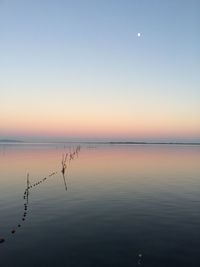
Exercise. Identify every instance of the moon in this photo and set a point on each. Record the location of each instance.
(138, 34)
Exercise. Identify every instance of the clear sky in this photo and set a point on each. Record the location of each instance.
(78, 69)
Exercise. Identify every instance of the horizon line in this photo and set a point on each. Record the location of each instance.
(7, 141)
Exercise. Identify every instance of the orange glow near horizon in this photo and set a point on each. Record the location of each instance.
(98, 122)
(97, 132)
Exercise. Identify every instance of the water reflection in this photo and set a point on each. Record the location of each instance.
(125, 206)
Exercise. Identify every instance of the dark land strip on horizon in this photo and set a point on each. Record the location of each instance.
(104, 142)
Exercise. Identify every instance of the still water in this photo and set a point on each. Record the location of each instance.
(115, 205)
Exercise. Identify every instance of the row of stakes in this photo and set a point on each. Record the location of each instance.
(66, 159)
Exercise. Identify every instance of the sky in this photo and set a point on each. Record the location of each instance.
(78, 69)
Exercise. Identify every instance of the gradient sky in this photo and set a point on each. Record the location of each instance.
(77, 69)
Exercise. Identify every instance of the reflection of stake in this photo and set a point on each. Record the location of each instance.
(64, 166)
(64, 179)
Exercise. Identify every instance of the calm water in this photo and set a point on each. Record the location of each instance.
(116, 206)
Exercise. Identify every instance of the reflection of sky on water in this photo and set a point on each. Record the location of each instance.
(123, 197)
(111, 162)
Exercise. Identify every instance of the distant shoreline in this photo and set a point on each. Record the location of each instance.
(156, 143)
(7, 141)
(10, 141)
(142, 143)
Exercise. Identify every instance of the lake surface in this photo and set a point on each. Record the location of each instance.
(116, 205)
